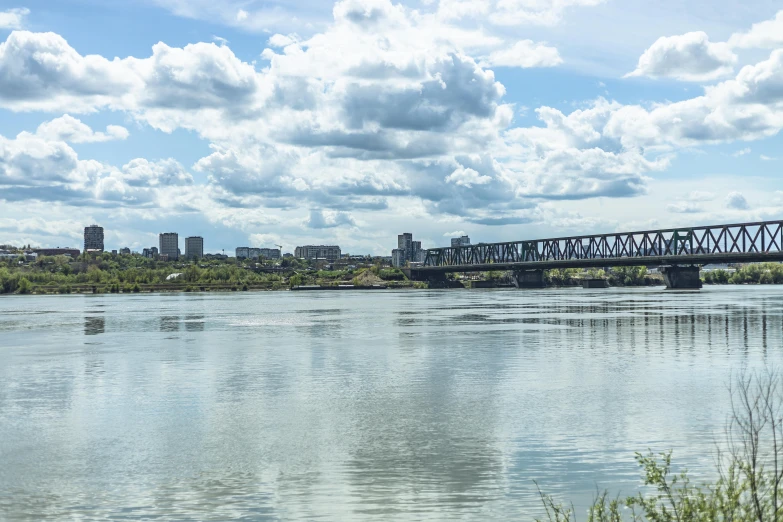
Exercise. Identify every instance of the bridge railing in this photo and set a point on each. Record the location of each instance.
(744, 238)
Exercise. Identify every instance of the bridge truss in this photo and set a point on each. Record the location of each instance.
(745, 242)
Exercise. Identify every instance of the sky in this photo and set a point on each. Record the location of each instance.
(262, 123)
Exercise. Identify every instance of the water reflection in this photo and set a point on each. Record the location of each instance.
(169, 323)
(414, 405)
(194, 323)
(94, 325)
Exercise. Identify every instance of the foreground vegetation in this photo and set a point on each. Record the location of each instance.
(749, 471)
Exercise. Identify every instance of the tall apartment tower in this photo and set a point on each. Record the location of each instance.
(93, 238)
(169, 245)
(194, 247)
(405, 243)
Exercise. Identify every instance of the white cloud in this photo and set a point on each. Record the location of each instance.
(467, 177)
(688, 57)
(741, 152)
(736, 201)
(13, 18)
(684, 207)
(70, 129)
(456, 233)
(766, 35)
(764, 157)
(699, 195)
(525, 53)
(283, 40)
(241, 15)
(329, 219)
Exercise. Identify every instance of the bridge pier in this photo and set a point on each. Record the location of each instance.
(679, 277)
(528, 279)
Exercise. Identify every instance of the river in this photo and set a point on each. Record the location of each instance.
(394, 405)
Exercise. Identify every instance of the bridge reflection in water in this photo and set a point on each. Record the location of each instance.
(679, 252)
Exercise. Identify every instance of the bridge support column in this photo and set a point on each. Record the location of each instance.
(681, 277)
(528, 279)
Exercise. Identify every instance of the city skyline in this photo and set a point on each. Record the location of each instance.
(343, 123)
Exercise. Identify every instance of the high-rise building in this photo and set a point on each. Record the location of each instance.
(169, 245)
(407, 250)
(194, 247)
(243, 253)
(405, 243)
(329, 253)
(460, 241)
(93, 238)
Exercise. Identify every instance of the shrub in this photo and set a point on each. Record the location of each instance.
(24, 286)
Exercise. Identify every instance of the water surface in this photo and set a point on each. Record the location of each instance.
(414, 405)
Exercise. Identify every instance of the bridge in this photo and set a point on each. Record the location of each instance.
(679, 252)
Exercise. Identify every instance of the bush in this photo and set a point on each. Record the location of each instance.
(24, 286)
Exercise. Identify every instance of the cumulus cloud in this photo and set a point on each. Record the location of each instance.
(40, 71)
(36, 167)
(456, 233)
(13, 18)
(736, 201)
(72, 130)
(525, 53)
(766, 35)
(467, 177)
(385, 108)
(688, 57)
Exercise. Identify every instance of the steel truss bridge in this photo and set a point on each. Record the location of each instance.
(676, 247)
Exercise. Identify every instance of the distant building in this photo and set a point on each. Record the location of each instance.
(398, 257)
(163, 257)
(329, 253)
(288, 255)
(150, 253)
(71, 252)
(215, 256)
(114, 252)
(169, 245)
(93, 238)
(460, 241)
(407, 251)
(125, 251)
(270, 253)
(257, 253)
(194, 247)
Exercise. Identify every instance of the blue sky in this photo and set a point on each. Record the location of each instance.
(262, 123)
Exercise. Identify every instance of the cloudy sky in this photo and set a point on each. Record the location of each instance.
(262, 122)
